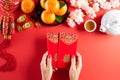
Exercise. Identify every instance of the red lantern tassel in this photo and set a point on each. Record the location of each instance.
(5, 44)
(10, 64)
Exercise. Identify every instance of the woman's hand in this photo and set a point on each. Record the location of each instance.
(75, 68)
(46, 67)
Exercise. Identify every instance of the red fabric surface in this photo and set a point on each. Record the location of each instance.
(100, 52)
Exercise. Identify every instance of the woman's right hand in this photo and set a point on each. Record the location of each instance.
(75, 68)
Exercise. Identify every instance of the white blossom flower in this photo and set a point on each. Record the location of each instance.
(73, 15)
(90, 11)
(70, 22)
(106, 5)
(77, 16)
(115, 3)
(78, 4)
(72, 2)
(79, 19)
(100, 1)
(96, 7)
(78, 12)
(81, 3)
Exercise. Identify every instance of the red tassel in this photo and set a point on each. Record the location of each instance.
(10, 64)
(5, 44)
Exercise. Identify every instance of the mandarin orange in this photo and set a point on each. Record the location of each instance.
(53, 5)
(27, 6)
(48, 17)
(44, 4)
(63, 9)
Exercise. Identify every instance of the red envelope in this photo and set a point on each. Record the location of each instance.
(61, 46)
(67, 48)
(52, 45)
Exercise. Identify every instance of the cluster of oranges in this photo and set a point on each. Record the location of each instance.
(51, 9)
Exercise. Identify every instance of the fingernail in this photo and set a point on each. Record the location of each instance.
(73, 56)
(49, 56)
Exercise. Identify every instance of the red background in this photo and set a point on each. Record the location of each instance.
(100, 52)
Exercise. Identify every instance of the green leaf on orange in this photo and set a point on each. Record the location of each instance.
(59, 19)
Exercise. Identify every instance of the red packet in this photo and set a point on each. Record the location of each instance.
(61, 46)
(67, 48)
(52, 45)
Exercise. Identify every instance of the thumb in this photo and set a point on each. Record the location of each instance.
(49, 61)
(73, 62)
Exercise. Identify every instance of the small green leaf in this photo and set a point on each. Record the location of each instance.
(59, 19)
(62, 3)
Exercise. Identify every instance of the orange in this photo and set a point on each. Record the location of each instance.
(44, 4)
(53, 5)
(63, 9)
(27, 6)
(48, 17)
